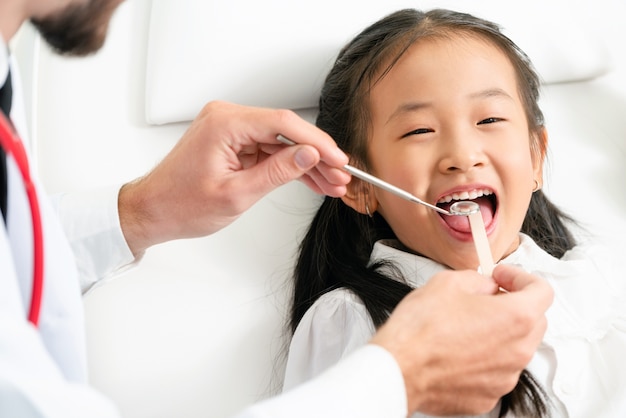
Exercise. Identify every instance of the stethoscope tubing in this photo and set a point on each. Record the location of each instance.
(13, 146)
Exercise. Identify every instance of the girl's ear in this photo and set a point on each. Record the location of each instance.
(539, 155)
(359, 198)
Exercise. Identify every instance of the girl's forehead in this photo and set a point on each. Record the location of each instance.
(454, 47)
(457, 57)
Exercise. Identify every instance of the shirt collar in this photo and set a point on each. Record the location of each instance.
(528, 254)
(417, 270)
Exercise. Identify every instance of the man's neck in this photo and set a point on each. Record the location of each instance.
(12, 15)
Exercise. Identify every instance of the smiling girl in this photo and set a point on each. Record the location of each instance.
(443, 105)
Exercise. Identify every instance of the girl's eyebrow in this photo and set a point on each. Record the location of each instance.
(482, 94)
(407, 108)
(492, 92)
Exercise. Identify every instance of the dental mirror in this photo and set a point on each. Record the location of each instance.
(464, 208)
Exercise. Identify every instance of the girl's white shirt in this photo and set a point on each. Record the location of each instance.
(579, 363)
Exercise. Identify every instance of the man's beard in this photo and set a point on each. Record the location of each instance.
(78, 29)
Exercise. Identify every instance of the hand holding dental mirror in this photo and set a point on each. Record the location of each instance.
(461, 208)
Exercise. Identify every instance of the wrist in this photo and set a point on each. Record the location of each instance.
(134, 217)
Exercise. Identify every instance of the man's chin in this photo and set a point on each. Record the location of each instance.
(79, 29)
(77, 47)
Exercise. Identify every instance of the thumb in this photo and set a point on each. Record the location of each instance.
(305, 157)
(535, 291)
(515, 279)
(478, 284)
(511, 278)
(465, 281)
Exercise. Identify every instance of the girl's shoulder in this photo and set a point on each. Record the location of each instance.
(338, 310)
(608, 257)
(588, 253)
(334, 326)
(337, 300)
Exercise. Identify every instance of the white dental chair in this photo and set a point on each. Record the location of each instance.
(197, 330)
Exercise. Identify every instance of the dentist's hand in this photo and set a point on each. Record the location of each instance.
(460, 344)
(227, 160)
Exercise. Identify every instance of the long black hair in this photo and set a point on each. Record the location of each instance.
(335, 253)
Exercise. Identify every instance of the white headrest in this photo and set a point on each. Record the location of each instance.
(276, 53)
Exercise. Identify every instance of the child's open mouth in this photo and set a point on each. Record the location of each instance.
(485, 199)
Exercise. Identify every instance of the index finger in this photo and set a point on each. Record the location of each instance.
(299, 131)
(247, 125)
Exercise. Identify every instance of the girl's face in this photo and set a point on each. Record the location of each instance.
(448, 124)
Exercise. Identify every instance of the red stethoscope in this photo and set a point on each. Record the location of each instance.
(12, 145)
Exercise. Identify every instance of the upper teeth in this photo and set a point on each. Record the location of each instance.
(470, 195)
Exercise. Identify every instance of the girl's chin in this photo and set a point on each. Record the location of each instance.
(465, 264)
(473, 267)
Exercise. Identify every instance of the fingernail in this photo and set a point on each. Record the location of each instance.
(305, 159)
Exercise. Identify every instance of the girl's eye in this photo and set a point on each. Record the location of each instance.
(418, 132)
(489, 120)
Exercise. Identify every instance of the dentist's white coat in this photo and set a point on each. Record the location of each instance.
(43, 371)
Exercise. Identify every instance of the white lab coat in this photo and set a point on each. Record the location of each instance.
(43, 371)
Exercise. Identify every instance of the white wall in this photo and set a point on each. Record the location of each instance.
(586, 123)
(194, 330)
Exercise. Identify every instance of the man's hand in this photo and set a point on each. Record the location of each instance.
(461, 344)
(228, 159)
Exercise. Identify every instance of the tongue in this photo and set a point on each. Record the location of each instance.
(461, 223)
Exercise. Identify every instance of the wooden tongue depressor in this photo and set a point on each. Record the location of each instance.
(479, 234)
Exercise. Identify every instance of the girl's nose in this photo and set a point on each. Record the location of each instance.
(461, 154)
